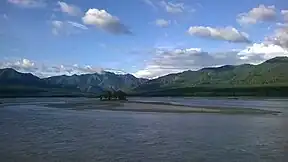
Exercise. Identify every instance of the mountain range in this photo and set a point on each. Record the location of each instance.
(97, 82)
(272, 72)
(13, 81)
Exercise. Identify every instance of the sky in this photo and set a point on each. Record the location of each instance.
(147, 38)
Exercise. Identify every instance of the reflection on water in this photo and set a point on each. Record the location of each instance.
(33, 133)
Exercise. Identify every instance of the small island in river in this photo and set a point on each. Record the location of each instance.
(139, 106)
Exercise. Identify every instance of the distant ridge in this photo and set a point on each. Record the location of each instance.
(270, 72)
(10, 76)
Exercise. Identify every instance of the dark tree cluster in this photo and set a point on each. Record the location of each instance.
(113, 95)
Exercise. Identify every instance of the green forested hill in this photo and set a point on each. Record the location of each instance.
(273, 72)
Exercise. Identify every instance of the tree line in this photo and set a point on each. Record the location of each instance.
(260, 91)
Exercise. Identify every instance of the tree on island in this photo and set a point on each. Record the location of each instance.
(116, 95)
(121, 95)
(107, 95)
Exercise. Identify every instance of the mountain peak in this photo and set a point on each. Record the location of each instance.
(9, 70)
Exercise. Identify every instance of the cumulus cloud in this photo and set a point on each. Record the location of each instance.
(28, 3)
(105, 21)
(259, 52)
(280, 36)
(229, 34)
(46, 70)
(69, 9)
(258, 14)
(285, 14)
(162, 23)
(177, 60)
(22, 64)
(66, 27)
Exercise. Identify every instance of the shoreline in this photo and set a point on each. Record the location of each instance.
(135, 106)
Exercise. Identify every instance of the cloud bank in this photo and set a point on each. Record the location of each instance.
(46, 70)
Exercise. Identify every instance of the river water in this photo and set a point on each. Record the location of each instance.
(34, 133)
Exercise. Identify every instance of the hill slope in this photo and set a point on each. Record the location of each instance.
(272, 72)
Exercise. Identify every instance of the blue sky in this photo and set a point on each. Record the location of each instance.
(148, 38)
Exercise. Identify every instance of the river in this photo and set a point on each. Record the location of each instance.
(29, 132)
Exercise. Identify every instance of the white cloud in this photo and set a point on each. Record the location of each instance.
(258, 14)
(57, 24)
(285, 14)
(262, 51)
(227, 34)
(162, 23)
(57, 27)
(69, 9)
(178, 60)
(27, 63)
(66, 27)
(173, 8)
(105, 21)
(280, 36)
(28, 3)
(21, 64)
